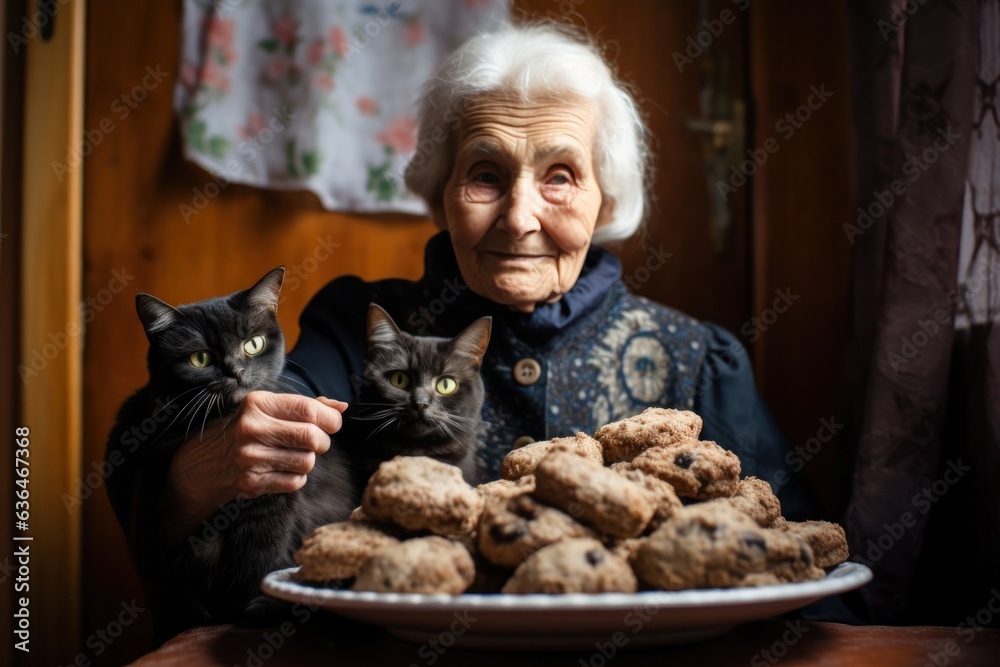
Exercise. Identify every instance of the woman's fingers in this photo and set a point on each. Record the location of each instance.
(292, 408)
(339, 406)
(270, 447)
(283, 482)
(267, 469)
(276, 433)
(262, 460)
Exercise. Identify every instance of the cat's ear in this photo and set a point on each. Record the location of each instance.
(264, 295)
(154, 314)
(381, 329)
(473, 340)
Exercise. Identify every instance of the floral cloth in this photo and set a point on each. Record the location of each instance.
(316, 94)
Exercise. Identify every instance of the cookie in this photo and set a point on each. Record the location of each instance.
(759, 579)
(580, 565)
(419, 493)
(701, 470)
(421, 565)
(755, 498)
(827, 540)
(597, 496)
(655, 427)
(505, 488)
(512, 529)
(339, 550)
(661, 494)
(789, 558)
(706, 545)
(523, 461)
(625, 548)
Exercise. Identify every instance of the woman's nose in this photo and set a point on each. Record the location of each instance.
(519, 215)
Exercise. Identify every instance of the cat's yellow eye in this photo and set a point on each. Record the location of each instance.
(254, 346)
(446, 385)
(200, 359)
(399, 379)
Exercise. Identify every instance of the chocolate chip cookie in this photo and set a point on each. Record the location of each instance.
(700, 470)
(523, 461)
(580, 565)
(422, 565)
(789, 558)
(506, 488)
(755, 498)
(512, 529)
(419, 493)
(706, 545)
(597, 496)
(827, 540)
(655, 427)
(339, 550)
(661, 494)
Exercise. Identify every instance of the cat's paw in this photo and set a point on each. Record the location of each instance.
(264, 611)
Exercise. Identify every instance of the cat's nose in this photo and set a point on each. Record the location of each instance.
(421, 406)
(239, 375)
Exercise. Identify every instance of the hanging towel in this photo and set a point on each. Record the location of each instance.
(316, 95)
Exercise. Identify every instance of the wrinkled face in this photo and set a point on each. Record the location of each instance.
(522, 201)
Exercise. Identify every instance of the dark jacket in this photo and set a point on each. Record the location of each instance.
(603, 354)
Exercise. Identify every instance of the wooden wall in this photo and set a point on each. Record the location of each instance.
(135, 180)
(801, 198)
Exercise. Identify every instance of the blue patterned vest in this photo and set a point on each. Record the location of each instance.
(597, 355)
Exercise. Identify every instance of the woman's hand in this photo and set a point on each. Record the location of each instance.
(269, 446)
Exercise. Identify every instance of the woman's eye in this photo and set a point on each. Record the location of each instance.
(399, 379)
(446, 385)
(486, 178)
(254, 346)
(200, 359)
(560, 176)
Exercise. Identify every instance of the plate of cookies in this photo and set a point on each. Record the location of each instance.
(642, 533)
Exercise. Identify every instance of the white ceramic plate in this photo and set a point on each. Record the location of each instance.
(566, 621)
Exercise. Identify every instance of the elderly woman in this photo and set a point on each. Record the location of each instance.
(530, 154)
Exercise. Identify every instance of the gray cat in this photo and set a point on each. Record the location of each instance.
(419, 396)
(203, 359)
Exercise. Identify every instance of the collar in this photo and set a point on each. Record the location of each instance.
(601, 270)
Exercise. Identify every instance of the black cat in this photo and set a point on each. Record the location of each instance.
(203, 359)
(419, 396)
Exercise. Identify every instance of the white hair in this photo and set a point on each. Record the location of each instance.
(537, 62)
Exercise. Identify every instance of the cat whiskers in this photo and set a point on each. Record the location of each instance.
(175, 399)
(182, 411)
(284, 385)
(386, 423)
(292, 361)
(196, 409)
(370, 411)
(211, 403)
(447, 429)
(382, 414)
(464, 424)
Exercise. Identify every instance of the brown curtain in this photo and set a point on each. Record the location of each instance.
(925, 357)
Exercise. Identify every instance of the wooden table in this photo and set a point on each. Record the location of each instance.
(327, 640)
